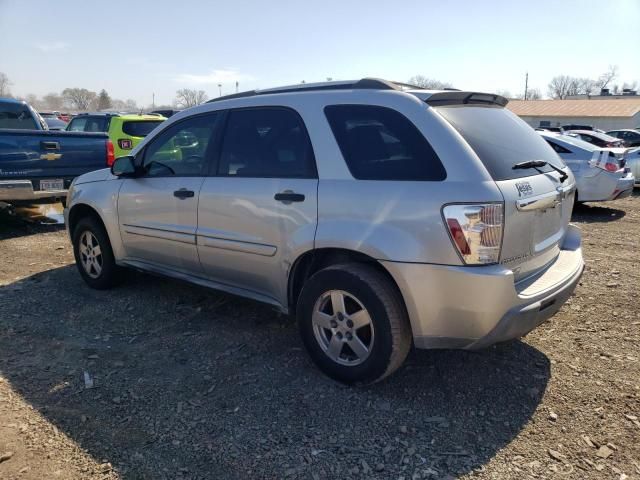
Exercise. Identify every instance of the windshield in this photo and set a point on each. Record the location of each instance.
(140, 128)
(500, 139)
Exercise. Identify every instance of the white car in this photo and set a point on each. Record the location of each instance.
(599, 175)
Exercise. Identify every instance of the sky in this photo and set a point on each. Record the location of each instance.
(138, 48)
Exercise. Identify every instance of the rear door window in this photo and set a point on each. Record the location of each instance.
(16, 115)
(139, 128)
(500, 139)
(380, 143)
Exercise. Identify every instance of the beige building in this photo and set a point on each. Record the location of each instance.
(604, 114)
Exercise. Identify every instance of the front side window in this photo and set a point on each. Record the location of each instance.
(379, 143)
(182, 149)
(266, 142)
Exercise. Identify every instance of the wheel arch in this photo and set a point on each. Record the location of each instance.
(315, 260)
(79, 211)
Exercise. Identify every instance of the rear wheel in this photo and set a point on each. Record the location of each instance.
(353, 323)
(93, 254)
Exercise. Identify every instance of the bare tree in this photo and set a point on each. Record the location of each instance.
(79, 98)
(53, 101)
(607, 77)
(4, 85)
(187, 97)
(428, 83)
(586, 86)
(560, 86)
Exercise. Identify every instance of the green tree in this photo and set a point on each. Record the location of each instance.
(104, 100)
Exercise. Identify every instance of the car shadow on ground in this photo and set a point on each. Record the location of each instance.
(596, 213)
(23, 220)
(190, 382)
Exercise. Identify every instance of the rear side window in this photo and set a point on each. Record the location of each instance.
(88, 124)
(558, 148)
(266, 142)
(77, 125)
(500, 139)
(139, 128)
(16, 115)
(379, 143)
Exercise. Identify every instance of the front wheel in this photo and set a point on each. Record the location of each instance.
(93, 254)
(353, 323)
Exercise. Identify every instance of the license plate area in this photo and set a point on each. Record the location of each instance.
(52, 184)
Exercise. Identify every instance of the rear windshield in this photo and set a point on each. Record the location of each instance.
(140, 128)
(501, 140)
(16, 115)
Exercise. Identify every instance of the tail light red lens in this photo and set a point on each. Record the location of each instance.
(611, 167)
(476, 231)
(111, 156)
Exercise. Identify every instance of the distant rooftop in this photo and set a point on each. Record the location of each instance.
(627, 107)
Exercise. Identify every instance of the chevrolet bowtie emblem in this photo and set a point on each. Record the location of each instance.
(50, 156)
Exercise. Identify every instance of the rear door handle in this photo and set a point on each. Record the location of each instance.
(50, 145)
(288, 196)
(183, 193)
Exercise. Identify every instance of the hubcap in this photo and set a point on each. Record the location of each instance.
(90, 254)
(343, 328)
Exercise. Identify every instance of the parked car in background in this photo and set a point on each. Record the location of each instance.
(596, 138)
(166, 113)
(598, 171)
(573, 126)
(55, 123)
(125, 131)
(549, 129)
(37, 163)
(632, 158)
(630, 137)
(378, 216)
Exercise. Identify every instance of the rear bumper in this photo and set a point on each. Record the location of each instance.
(624, 187)
(474, 307)
(23, 190)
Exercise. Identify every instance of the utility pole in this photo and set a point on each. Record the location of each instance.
(220, 89)
(237, 83)
(153, 100)
(526, 85)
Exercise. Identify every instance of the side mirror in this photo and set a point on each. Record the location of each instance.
(124, 167)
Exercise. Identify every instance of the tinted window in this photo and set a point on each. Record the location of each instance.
(266, 142)
(16, 115)
(96, 124)
(500, 139)
(558, 148)
(379, 143)
(182, 149)
(140, 128)
(77, 124)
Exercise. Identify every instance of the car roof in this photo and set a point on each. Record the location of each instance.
(11, 100)
(434, 97)
(144, 117)
(569, 140)
(602, 136)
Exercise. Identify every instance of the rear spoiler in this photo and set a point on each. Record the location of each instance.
(465, 98)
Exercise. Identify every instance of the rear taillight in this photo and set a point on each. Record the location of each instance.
(606, 160)
(476, 231)
(111, 156)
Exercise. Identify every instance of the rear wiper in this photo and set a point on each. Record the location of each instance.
(538, 164)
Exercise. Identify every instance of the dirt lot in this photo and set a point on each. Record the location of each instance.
(189, 383)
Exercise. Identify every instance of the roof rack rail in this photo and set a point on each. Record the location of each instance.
(365, 83)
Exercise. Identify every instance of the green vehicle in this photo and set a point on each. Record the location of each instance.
(125, 130)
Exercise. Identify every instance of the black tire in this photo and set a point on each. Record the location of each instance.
(385, 307)
(109, 275)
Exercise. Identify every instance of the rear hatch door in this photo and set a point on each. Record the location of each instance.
(538, 201)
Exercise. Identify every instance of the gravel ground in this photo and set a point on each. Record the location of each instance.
(158, 379)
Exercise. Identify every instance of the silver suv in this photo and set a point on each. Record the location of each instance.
(377, 213)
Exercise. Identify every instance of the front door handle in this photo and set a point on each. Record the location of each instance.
(50, 145)
(288, 196)
(183, 193)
